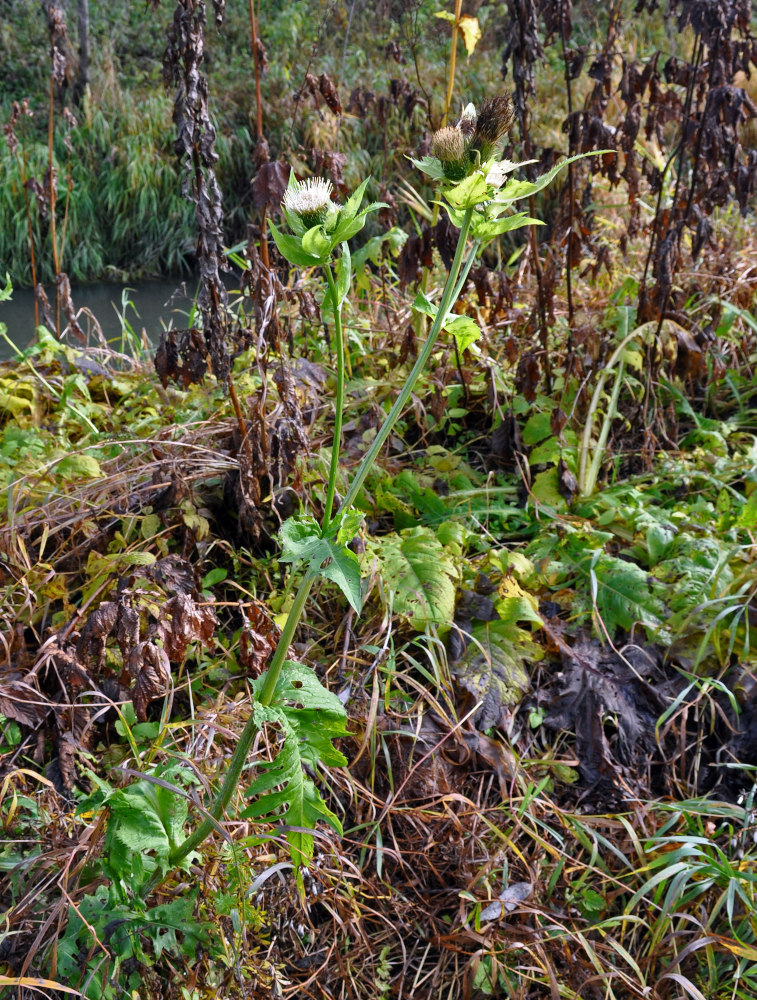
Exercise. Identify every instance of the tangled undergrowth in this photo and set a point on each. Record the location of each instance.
(553, 796)
(535, 609)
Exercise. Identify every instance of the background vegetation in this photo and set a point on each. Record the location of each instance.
(551, 685)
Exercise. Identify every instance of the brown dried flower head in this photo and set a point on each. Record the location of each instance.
(495, 118)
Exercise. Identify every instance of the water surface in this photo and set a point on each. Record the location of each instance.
(158, 303)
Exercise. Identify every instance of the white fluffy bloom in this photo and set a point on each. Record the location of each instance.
(311, 200)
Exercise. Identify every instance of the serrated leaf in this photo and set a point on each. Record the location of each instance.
(344, 571)
(420, 573)
(493, 668)
(309, 717)
(538, 426)
(301, 540)
(487, 229)
(515, 190)
(469, 193)
(624, 596)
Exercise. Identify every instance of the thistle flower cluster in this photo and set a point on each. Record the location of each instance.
(472, 140)
(310, 200)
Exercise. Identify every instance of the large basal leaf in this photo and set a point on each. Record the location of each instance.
(493, 668)
(420, 574)
(624, 596)
(309, 717)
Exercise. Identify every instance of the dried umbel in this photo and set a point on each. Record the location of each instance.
(310, 200)
(448, 145)
(494, 119)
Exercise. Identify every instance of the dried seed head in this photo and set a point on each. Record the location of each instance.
(495, 118)
(311, 200)
(448, 145)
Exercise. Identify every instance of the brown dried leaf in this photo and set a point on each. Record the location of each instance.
(149, 664)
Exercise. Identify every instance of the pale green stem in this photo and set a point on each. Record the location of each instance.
(239, 757)
(452, 289)
(339, 342)
(587, 477)
(451, 292)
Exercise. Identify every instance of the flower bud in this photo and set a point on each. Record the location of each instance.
(449, 147)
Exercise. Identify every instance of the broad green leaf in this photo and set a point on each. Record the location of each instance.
(300, 539)
(316, 243)
(5, 293)
(290, 247)
(470, 192)
(487, 229)
(430, 166)
(464, 329)
(624, 596)
(538, 426)
(344, 571)
(546, 489)
(420, 574)
(423, 304)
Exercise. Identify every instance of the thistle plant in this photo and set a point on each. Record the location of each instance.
(478, 196)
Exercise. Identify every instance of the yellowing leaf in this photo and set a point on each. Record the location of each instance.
(471, 32)
(79, 467)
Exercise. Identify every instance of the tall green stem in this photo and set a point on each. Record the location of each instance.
(455, 281)
(339, 341)
(452, 289)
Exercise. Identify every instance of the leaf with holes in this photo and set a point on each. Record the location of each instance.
(420, 573)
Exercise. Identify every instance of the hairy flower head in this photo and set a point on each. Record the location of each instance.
(310, 199)
(448, 145)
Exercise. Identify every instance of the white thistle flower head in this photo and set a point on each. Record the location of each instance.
(311, 200)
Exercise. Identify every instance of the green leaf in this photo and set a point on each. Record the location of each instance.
(515, 190)
(546, 489)
(487, 229)
(538, 426)
(290, 247)
(301, 540)
(430, 166)
(316, 243)
(5, 293)
(309, 718)
(79, 467)
(343, 275)
(464, 329)
(420, 573)
(344, 571)
(353, 203)
(624, 596)
(470, 192)
(215, 576)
